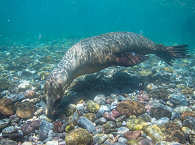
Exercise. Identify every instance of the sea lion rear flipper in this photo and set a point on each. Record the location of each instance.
(170, 53)
(129, 59)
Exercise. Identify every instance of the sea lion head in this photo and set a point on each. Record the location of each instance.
(54, 94)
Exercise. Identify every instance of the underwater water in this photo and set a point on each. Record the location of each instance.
(149, 103)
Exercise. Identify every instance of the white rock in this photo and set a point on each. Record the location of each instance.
(122, 140)
(24, 84)
(161, 121)
(182, 109)
(100, 99)
(80, 107)
(27, 143)
(122, 130)
(53, 142)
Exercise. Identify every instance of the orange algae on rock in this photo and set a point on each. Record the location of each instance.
(7, 107)
(173, 132)
(24, 110)
(130, 108)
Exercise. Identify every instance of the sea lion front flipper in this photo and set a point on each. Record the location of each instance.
(129, 59)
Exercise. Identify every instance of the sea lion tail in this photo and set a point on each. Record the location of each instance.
(170, 53)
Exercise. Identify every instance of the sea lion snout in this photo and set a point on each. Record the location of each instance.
(53, 96)
(53, 105)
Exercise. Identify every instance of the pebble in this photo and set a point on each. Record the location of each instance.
(192, 138)
(145, 141)
(108, 142)
(4, 123)
(130, 108)
(160, 112)
(99, 138)
(161, 121)
(109, 126)
(100, 121)
(14, 119)
(79, 136)
(29, 93)
(154, 132)
(90, 116)
(114, 104)
(27, 143)
(146, 117)
(151, 86)
(122, 140)
(30, 126)
(122, 130)
(181, 109)
(7, 106)
(75, 116)
(102, 110)
(193, 106)
(115, 113)
(87, 124)
(124, 123)
(24, 110)
(54, 142)
(45, 127)
(189, 122)
(24, 85)
(58, 126)
(100, 99)
(92, 106)
(136, 124)
(132, 134)
(109, 116)
(118, 143)
(175, 115)
(121, 98)
(9, 130)
(99, 128)
(178, 99)
(6, 141)
(80, 108)
(16, 97)
(12, 132)
(168, 143)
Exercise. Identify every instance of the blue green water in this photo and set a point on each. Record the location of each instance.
(161, 20)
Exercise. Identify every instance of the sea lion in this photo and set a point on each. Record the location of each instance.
(96, 53)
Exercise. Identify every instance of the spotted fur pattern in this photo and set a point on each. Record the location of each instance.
(91, 55)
